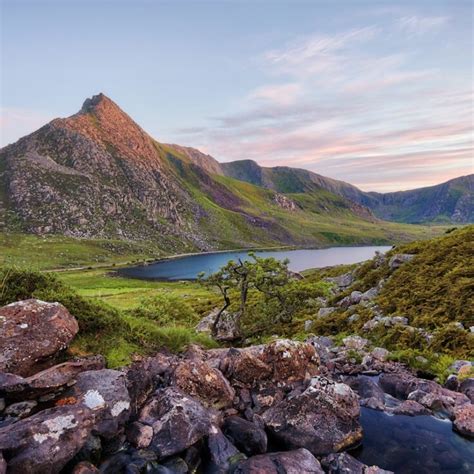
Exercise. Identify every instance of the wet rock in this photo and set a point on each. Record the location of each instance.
(290, 360)
(178, 421)
(324, 312)
(227, 329)
(222, 453)
(31, 332)
(399, 259)
(139, 435)
(52, 380)
(371, 395)
(199, 380)
(464, 420)
(323, 419)
(245, 368)
(428, 393)
(410, 408)
(288, 462)
(246, 436)
(104, 392)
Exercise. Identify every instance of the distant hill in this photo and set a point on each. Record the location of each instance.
(97, 174)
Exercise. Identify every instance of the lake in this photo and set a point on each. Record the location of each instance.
(188, 267)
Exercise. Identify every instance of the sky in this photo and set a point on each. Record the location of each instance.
(376, 93)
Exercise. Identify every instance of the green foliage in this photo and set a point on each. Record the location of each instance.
(426, 362)
(166, 308)
(436, 287)
(163, 320)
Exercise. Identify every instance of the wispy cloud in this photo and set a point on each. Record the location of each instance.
(343, 106)
(419, 25)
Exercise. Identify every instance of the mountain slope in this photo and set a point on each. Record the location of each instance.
(97, 174)
(452, 201)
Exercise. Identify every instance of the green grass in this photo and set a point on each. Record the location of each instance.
(118, 331)
(55, 252)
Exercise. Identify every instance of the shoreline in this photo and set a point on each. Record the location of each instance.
(113, 266)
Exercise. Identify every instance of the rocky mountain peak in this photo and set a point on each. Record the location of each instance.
(96, 101)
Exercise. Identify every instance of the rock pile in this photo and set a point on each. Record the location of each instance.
(283, 407)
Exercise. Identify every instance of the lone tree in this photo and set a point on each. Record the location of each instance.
(269, 276)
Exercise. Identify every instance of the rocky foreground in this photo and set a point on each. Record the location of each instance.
(284, 407)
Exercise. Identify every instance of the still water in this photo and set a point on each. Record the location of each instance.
(418, 444)
(188, 268)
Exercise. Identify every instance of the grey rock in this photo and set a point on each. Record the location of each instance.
(324, 312)
(399, 259)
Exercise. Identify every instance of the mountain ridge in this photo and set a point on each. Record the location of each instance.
(98, 174)
(437, 202)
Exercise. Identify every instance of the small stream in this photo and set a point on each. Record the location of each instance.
(413, 444)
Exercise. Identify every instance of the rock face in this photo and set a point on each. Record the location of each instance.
(31, 332)
(323, 419)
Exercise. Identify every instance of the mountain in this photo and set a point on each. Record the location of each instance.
(452, 201)
(98, 174)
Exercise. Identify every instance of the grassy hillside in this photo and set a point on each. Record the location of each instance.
(434, 291)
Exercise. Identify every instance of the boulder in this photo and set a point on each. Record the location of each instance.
(342, 281)
(343, 463)
(139, 435)
(353, 299)
(45, 442)
(244, 367)
(201, 381)
(467, 388)
(370, 394)
(308, 324)
(223, 455)
(380, 354)
(464, 420)
(227, 329)
(85, 467)
(178, 421)
(410, 408)
(428, 393)
(290, 361)
(246, 436)
(355, 342)
(323, 419)
(370, 294)
(143, 376)
(32, 331)
(105, 393)
(288, 462)
(52, 380)
(399, 259)
(323, 312)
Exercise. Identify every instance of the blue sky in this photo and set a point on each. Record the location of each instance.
(375, 93)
